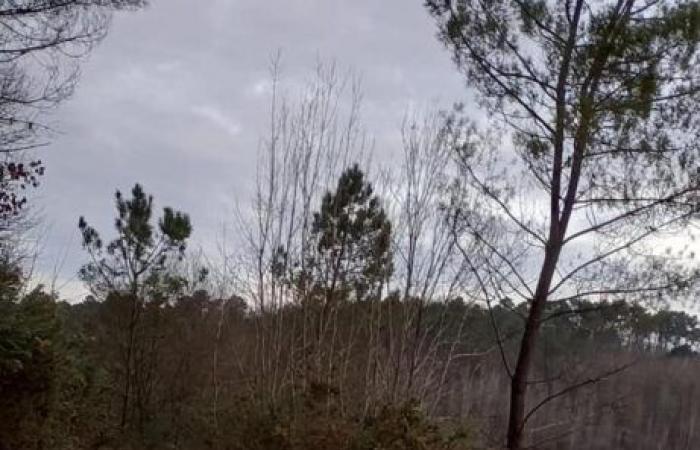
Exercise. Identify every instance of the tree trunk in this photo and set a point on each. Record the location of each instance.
(519, 382)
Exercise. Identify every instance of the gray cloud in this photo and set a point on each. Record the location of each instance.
(177, 97)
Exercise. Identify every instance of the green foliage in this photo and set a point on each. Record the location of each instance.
(620, 85)
(135, 276)
(353, 239)
(60, 362)
(140, 252)
(314, 427)
(49, 392)
(399, 427)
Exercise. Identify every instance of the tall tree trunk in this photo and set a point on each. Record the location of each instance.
(519, 382)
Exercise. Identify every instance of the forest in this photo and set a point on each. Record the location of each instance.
(506, 281)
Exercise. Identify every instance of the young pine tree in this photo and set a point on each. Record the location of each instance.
(130, 270)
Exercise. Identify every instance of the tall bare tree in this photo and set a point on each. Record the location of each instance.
(600, 100)
(41, 44)
(428, 269)
(309, 143)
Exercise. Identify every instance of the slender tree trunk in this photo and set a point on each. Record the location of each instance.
(557, 229)
(519, 382)
(128, 368)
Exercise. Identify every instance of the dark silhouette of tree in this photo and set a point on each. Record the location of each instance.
(352, 235)
(348, 263)
(128, 271)
(600, 100)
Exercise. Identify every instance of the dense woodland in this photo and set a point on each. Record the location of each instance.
(483, 286)
(197, 383)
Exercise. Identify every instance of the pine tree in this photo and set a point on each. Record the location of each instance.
(600, 102)
(353, 238)
(127, 272)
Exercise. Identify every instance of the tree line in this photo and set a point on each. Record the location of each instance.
(163, 362)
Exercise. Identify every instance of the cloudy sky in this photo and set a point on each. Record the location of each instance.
(173, 99)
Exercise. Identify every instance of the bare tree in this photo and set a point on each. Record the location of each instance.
(41, 44)
(428, 269)
(321, 323)
(310, 141)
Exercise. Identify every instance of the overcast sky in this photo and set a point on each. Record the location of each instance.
(172, 99)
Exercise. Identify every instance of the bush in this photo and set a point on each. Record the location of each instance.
(320, 425)
(406, 427)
